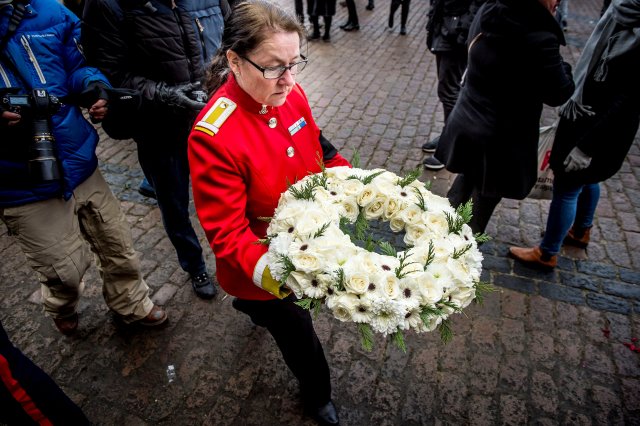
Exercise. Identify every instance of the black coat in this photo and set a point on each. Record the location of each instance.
(139, 44)
(607, 135)
(514, 67)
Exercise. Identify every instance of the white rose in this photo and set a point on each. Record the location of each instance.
(339, 173)
(355, 281)
(305, 262)
(415, 234)
(342, 306)
(375, 208)
(351, 210)
(366, 195)
(396, 224)
(297, 281)
(411, 214)
(436, 222)
(392, 206)
(351, 187)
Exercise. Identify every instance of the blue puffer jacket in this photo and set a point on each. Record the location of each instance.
(45, 49)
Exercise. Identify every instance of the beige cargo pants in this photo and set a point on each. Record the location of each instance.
(53, 234)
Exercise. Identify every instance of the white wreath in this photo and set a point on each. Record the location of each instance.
(387, 292)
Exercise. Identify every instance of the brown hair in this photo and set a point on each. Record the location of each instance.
(250, 23)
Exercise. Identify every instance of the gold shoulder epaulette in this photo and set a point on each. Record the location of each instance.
(217, 114)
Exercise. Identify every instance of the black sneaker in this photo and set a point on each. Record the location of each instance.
(432, 163)
(203, 286)
(431, 145)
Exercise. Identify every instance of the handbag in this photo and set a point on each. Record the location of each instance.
(543, 188)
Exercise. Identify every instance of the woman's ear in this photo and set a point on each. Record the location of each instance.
(234, 61)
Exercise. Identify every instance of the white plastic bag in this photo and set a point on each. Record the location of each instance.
(543, 189)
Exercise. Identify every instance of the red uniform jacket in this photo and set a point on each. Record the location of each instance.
(241, 161)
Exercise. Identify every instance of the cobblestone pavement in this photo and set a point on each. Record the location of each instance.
(544, 349)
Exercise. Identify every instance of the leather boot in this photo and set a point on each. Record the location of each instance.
(578, 237)
(316, 28)
(534, 257)
(327, 28)
(395, 4)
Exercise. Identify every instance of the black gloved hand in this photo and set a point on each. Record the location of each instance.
(94, 91)
(178, 96)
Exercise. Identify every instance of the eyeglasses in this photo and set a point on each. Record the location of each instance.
(272, 73)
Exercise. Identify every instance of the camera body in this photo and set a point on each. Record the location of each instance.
(37, 109)
(199, 96)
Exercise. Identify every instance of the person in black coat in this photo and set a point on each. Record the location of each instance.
(595, 133)
(491, 136)
(447, 33)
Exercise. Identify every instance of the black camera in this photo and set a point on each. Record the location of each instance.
(37, 108)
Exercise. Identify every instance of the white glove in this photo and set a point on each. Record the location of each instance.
(576, 160)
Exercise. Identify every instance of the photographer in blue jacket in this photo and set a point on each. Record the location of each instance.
(53, 198)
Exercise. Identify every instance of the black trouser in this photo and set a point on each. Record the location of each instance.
(292, 329)
(28, 395)
(166, 166)
(463, 190)
(299, 10)
(353, 14)
(451, 65)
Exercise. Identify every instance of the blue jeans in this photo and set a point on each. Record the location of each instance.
(572, 204)
(167, 168)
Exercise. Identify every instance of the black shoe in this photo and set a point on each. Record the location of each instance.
(351, 27)
(146, 190)
(370, 6)
(343, 3)
(326, 37)
(327, 415)
(403, 30)
(203, 286)
(314, 36)
(431, 145)
(432, 163)
(346, 24)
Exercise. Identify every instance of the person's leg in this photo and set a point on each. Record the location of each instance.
(586, 208)
(292, 329)
(353, 16)
(167, 168)
(450, 66)
(562, 213)
(327, 28)
(460, 191)
(28, 395)
(482, 211)
(395, 4)
(299, 11)
(316, 27)
(48, 232)
(105, 228)
(404, 16)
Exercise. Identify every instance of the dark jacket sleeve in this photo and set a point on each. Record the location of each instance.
(105, 46)
(557, 81)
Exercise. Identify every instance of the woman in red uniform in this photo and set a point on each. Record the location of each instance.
(254, 137)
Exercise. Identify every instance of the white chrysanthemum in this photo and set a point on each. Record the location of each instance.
(388, 315)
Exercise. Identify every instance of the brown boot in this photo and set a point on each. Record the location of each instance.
(67, 325)
(534, 257)
(578, 237)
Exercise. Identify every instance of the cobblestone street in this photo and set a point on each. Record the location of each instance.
(544, 349)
